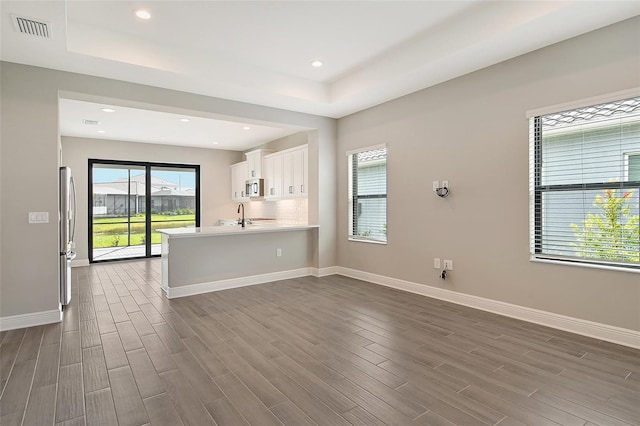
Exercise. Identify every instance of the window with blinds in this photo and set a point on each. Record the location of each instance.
(585, 184)
(368, 194)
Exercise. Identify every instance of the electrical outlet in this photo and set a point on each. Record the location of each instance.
(445, 184)
(436, 184)
(279, 252)
(448, 265)
(436, 262)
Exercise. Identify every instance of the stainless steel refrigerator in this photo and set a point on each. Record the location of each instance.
(67, 232)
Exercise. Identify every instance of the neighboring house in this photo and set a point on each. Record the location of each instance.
(110, 198)
(109, 201)
(169, 200)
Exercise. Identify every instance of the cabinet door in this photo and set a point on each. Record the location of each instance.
(305, 175)
(272, 169)
(238, 180)
(254, 164)
(300, 172)
(267, 174)
(234, 179)
(242, 180)
(277, 176)
(288, 185)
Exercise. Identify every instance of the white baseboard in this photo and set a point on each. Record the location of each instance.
(324, 272)
(79, 262)
(596, 330)
(30, 320)
(192, 289)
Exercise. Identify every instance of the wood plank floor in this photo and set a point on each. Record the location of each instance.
(308, 351)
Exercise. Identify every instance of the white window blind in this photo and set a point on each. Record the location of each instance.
(368, 194)
(585, 184)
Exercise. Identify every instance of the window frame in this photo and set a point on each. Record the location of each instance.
(537, 189)
(352, 183)
(627, 156)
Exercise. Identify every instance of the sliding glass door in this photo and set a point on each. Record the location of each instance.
(130, 201)
(173, 200)
(118, 212)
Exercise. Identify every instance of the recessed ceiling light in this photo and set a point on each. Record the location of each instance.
(246, 128)
(184, 120)
(107, 110)
(102, 131)
(317, 64)
(143, 14)
(215, 143)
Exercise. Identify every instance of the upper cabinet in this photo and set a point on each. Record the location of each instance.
(272, 166)
(286, 173)
(294, 172)
(238, 180)
(254, 163)
(252, 168)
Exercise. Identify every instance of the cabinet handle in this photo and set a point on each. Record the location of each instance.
(235, 194)
(253, 173)
(242, 193)
(291, 189)
(302, 189)
(272, 191)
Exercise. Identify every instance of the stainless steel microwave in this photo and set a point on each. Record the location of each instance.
(254, 188)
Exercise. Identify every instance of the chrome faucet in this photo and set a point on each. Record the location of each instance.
(241, 221)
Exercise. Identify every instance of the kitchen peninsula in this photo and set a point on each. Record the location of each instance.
(200, 260)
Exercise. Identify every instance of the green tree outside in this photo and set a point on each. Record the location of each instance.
(613, 233)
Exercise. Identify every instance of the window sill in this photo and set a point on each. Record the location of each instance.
(584, 264)
(358, 240)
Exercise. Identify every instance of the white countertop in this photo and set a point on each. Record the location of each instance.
(212, 231)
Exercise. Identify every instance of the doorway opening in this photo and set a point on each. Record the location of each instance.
(130, 201)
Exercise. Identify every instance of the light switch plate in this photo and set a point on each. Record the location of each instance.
(38, 217)
(436, 263)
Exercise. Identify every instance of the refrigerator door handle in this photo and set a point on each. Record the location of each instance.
(73, 210)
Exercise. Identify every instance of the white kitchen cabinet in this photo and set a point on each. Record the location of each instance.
(300, 171)
(239, 173)
(287, 173)
(272, 169)
(295, 172)
(254, 163)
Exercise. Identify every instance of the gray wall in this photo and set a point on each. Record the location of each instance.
(473, 132)
(29, 168)
(29, 134)
(214, 164)
(287, 142)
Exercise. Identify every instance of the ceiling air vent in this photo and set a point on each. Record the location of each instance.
(91, 122)
(31, 27)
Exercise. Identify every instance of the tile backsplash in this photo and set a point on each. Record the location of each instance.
(293, 211)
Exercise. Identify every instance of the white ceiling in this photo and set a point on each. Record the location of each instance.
(260, 51)
(143, 125)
